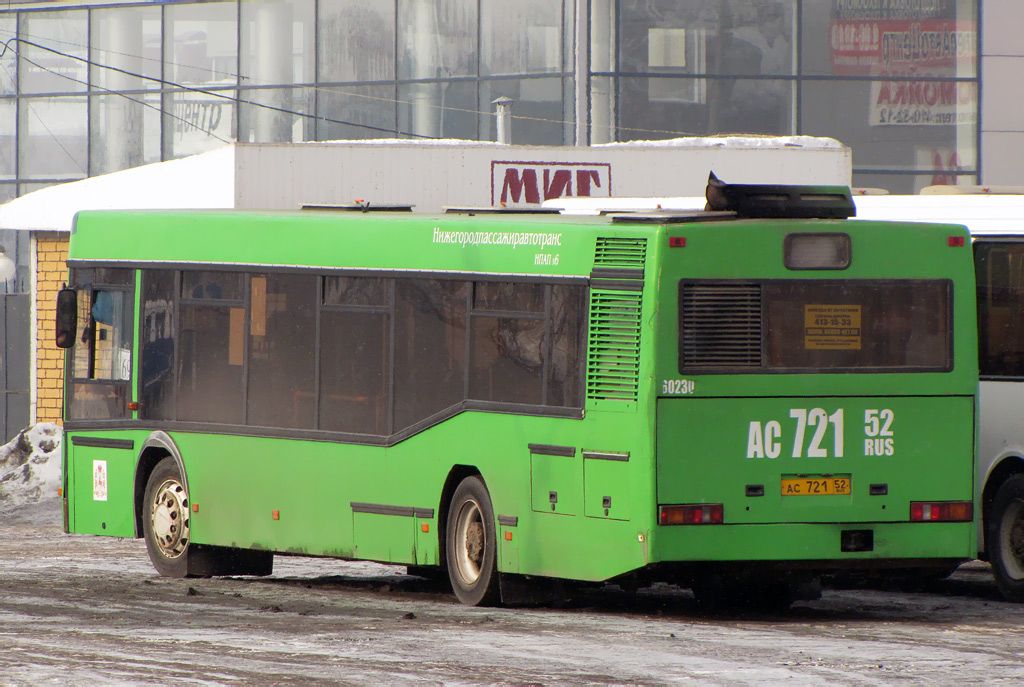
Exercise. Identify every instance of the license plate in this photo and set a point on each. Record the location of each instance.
(816, 485)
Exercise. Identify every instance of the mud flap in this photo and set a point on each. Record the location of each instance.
(521, 590)
(210, 561)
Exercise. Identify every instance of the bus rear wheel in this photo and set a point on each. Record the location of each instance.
(1006, 538)
(470, 545)
(165, 520)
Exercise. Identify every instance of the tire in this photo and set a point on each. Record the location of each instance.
(471, 546)
(165, 520)
(1005, 530)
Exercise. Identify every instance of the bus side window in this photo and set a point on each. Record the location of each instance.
(1000, 270)
(527, 343)
(211, 348)
(282, 323)
(568, 346)
(101, 358)
(355, 322)
(159, 335)
(430, 348)
(507, 343)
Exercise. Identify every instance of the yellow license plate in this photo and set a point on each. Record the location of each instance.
(820, 485)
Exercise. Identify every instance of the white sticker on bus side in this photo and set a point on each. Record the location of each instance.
(812, 430)
(676, 387)
(99, 480)
(878, 432)
(765, 439)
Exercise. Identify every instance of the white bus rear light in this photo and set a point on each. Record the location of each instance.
(941, 511)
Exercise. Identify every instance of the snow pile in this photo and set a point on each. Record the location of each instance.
(30, 467)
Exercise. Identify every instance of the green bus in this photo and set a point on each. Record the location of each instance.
(737, 399)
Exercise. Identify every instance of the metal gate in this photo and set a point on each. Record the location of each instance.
(14, 367)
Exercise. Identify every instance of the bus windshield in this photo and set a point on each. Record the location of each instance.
(842, 326)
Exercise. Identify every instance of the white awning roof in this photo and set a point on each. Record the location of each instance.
(204, 181)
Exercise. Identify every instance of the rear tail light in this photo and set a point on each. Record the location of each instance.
(941, 511)
(691, 514)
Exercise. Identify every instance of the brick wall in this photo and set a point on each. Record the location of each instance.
(51, 274)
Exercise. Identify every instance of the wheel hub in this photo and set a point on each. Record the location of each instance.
(470, 542)
(170, 520)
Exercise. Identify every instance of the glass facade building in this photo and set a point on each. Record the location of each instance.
(90, 89)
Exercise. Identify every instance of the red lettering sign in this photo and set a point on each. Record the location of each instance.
(530, 183)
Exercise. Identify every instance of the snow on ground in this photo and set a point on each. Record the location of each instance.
(30, 473)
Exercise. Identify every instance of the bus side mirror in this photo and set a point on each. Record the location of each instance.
(67, 317)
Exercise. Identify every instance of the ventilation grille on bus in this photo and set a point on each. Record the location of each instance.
(721, 325)
(613, 363)
(620, 253)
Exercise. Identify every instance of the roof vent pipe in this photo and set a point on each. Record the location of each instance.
(503, 115)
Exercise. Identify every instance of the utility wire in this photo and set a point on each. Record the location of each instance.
(52, 135)
(101, 88)
(318, 88)
(172, 84)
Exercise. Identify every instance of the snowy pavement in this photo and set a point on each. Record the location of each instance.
(79, 609)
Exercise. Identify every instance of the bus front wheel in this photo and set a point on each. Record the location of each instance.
(471, 546)
(1006, 538)
(165, 521)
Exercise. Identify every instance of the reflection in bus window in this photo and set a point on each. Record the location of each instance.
(210, 364)
(859, 324)
(506, 359)
(282, 351)
(158, 339)
(568, 346)
(509, 297)
(353, 371)
(356, 291)
(221, 286)
(430, 348)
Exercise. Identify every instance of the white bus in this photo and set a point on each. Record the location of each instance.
(996, 223)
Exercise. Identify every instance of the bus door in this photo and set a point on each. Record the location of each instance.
(98, 390)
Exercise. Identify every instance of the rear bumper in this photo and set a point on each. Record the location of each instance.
(821, 545)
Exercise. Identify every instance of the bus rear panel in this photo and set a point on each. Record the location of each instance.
(815, 397)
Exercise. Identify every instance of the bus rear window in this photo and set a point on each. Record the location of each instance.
(794, 325)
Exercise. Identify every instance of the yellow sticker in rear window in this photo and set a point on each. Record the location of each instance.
(832, 327)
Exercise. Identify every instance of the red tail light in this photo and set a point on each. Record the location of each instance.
(692, 514)
(941, 511)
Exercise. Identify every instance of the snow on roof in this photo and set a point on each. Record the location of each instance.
(820, 142)
(404, 141)
(205, 181)
(741, 142)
